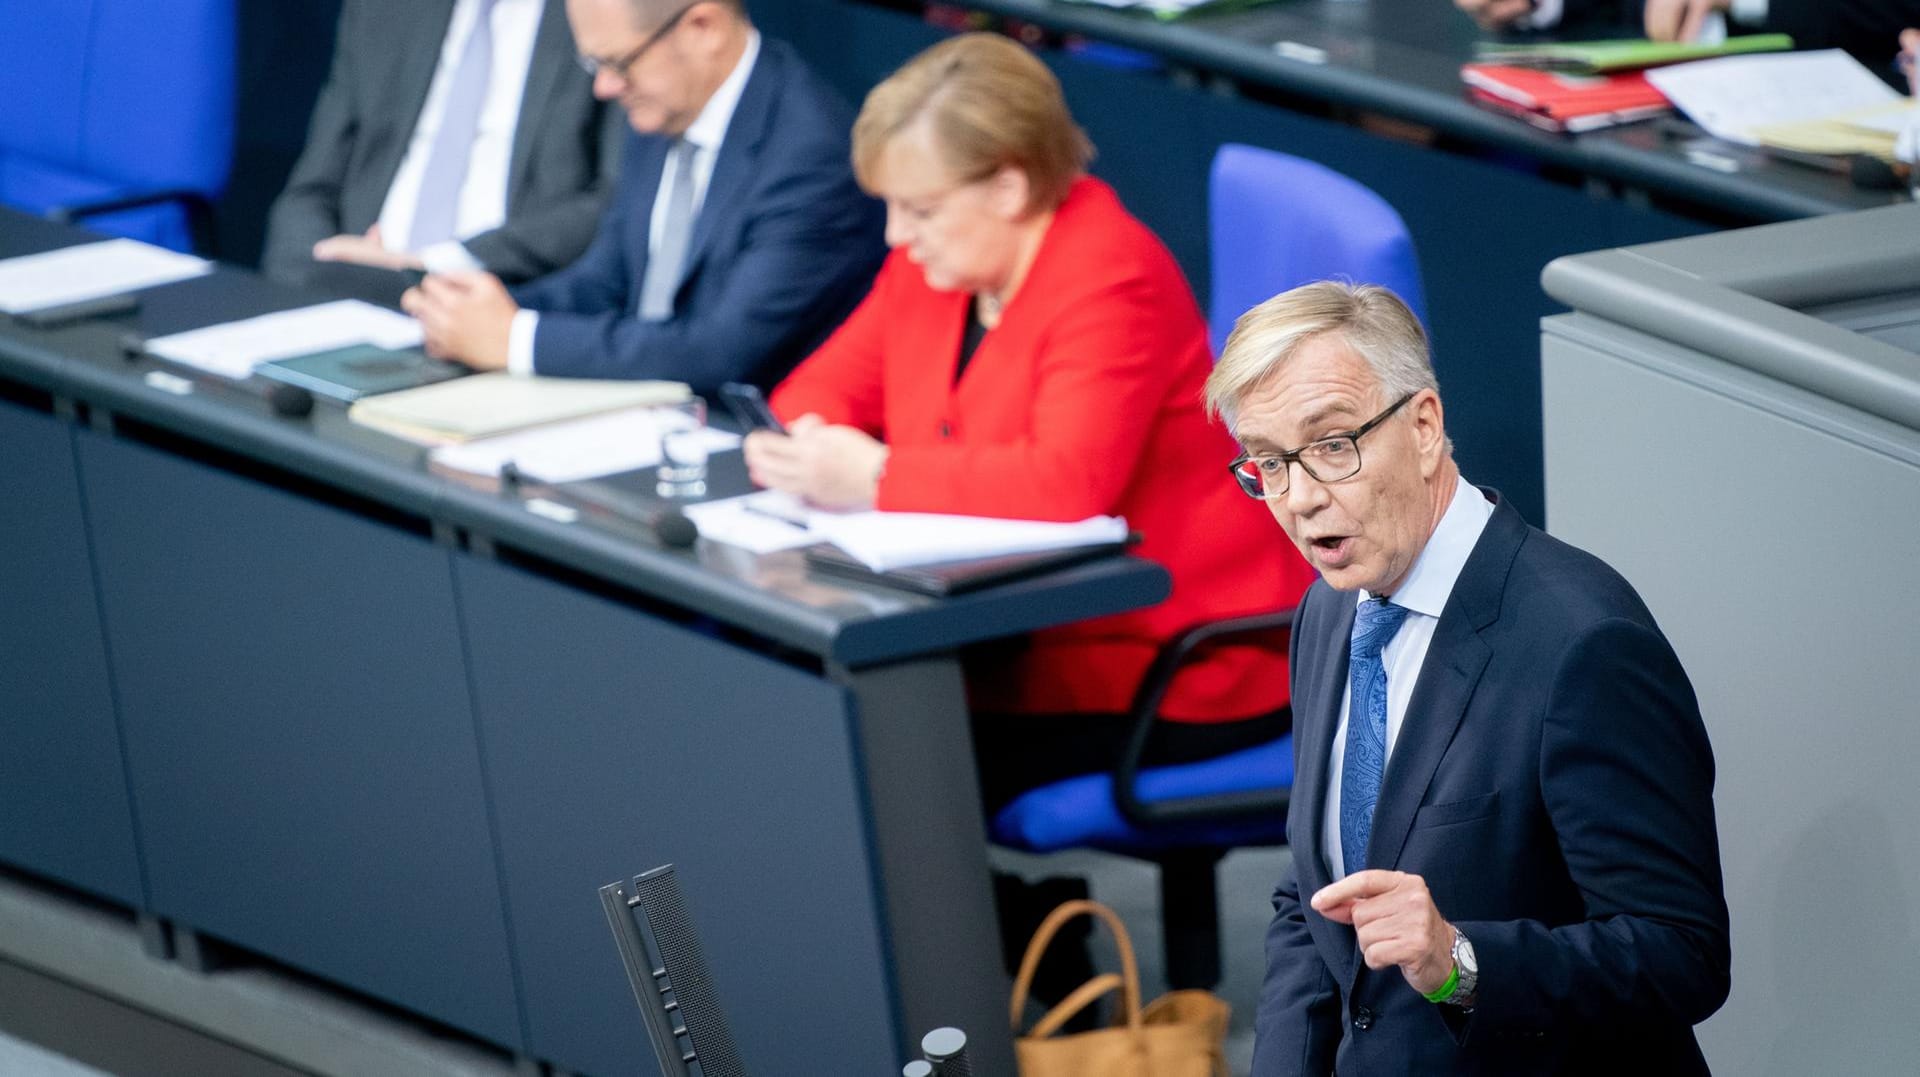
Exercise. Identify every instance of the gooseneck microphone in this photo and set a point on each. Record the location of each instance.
(671, 527)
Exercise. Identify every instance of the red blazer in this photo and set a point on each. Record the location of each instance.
(1084, 400)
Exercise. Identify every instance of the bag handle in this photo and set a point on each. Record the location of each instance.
(1082, 997)
(1129, 970)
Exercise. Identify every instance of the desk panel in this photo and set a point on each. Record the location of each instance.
(616, 742)
(63, 789)
(299, 733)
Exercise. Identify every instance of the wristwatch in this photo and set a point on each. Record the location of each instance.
(1469, 969)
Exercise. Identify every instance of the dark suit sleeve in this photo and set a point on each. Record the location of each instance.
(1626, 774)
(1869, 29)
(555, 231)
(808, 245)
(1297, 1026)
(1296, 1029)
(308, 211)
(597, 281)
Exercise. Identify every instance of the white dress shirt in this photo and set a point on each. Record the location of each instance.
(483, 193)
(1424, 594)
(707, 131)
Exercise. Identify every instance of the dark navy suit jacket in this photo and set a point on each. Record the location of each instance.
(1554, 786)
(785, 244)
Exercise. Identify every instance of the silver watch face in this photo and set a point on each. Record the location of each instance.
(1463, 955)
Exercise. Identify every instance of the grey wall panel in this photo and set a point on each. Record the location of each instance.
(615, 742)
(299, 733)
(1773, 534)
(63, 789)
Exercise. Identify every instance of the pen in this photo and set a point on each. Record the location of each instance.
(750, 507)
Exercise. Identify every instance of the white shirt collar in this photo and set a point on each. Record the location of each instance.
(709, 129)
(1430, 581)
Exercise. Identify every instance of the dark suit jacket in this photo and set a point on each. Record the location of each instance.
(1554, 786)
(1869, 29)
(565, 157)
(784, 246)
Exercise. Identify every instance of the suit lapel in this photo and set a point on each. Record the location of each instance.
(645, 158)
(553, 53)
(1456, 658)
(1319, 677)
(424, 36)
(734, 168)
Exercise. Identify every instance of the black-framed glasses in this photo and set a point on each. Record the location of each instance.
(593, 65)
(1327, 459)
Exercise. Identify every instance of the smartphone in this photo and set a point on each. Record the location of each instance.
(749, 406)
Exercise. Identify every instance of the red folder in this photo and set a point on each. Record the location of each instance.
(1562, 102)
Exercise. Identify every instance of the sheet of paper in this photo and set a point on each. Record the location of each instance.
(91, 271)
(605, 444)
(763, 522)
(884, 541)
(1734, 95)
(233, 349)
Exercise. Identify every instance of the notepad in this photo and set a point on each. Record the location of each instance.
(488, 404)
(233, 349)
(90, 271)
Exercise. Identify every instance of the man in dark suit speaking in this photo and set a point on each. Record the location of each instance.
(450, 134)
(737, 240)
(1504, 853)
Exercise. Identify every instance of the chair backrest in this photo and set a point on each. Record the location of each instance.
(106, 98)
(1277, 221)
(661, 952)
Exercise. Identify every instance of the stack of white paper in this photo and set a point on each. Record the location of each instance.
(90, 271)
(1738, 97)
(571, 451)
(490, 405)
(233, 349)
(884, 541)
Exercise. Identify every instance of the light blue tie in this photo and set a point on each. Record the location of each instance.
(1366, 758)
(669, 259)
(436, 214)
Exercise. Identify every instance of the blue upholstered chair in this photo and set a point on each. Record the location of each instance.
(117, 114)
(1277, 221)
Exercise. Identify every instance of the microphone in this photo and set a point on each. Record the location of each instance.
(671, 527)
(666, 523)
(946, 1049)
(289, 401)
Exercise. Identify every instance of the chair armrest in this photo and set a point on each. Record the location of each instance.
(199, 210)
(1145, 710)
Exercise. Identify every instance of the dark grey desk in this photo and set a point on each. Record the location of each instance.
(1489, 200)
(278, 684)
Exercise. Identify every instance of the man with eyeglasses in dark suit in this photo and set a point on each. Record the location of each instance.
(737, 240)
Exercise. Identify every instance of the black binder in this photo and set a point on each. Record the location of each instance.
(948, 578)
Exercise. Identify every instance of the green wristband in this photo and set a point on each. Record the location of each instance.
(1445, 990)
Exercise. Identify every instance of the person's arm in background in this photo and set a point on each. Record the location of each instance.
(811, 243)
(1494, 15)
(554, 233)
(308, 211)
(1865, 28)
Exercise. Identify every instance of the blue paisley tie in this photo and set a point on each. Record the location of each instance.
(1366, 758)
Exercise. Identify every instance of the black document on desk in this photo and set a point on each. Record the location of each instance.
(947, 578)
(347, 374)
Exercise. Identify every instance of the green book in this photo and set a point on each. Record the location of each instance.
(1604, 57)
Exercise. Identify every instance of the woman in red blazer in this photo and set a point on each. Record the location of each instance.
(1030, 350)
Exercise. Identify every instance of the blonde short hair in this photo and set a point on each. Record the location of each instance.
(1371, 320)
(992, 103)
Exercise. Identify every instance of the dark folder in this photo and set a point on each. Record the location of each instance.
(349, 373)
(956, 577)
